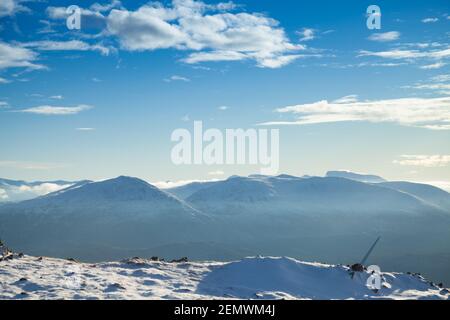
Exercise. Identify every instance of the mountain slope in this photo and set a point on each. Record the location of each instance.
(250, 278)
(186, 190)
(115, 214)
(426, 192)
(307, 195)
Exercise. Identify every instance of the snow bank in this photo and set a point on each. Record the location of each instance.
(251, 278)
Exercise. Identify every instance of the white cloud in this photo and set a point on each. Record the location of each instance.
(430, 20)
(437, 83)
(11, 7)
(408, 54)
(25, 192)
(57, 97)
(307, 34)
(433, 86)
(432, 113)
(71, 45)
(436, 65)
(428, 161)
(3, 80)
(105, 7)
(85, 129)
(12, 56)
(215, 56)
(385, 37)
(223, 108)
(43, 188)
(213, 36)
(54, 110)
(441, 78)
(177, 78)
(3, 104)
(7, 7)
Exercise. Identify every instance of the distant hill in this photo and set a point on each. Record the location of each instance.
(355, 176)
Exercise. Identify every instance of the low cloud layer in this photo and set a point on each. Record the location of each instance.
(25, 192)
(428, 161)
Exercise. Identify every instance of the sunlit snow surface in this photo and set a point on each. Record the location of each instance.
(251, 278)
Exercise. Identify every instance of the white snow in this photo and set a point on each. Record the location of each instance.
(30, 277)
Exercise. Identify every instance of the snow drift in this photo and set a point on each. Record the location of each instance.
(30, 277)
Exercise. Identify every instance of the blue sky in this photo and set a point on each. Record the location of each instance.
(103, 101)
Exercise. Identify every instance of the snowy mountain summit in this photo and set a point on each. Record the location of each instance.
(28, 277)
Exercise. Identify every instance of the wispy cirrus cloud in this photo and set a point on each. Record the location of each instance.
(85, 129)
(70, 45)
(431, 113)
(55, 110)
(439, 84)
(347, 99)
(435, 160)
(177, 78)
(429, 55)
(385, 36)
(444, 88)
(407, 54)
(14, 56)
(436, 65)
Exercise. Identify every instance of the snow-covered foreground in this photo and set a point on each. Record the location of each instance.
(30, 277)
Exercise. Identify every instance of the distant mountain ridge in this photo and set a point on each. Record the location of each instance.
(307, 217)
(355, 176)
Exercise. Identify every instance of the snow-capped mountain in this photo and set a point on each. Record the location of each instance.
(308, 195)
(315, 218)
(329, 218)
(101, 219)
(30, 277)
